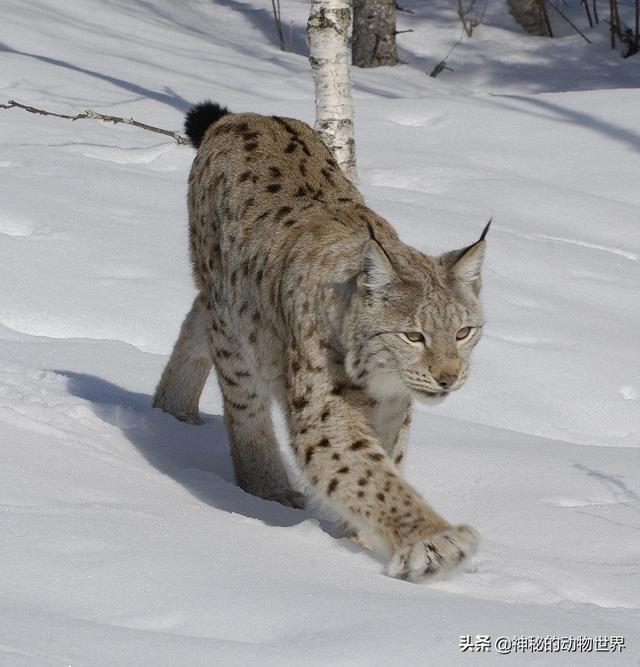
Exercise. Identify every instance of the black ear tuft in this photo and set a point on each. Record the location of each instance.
(199, 118)
(486, 229)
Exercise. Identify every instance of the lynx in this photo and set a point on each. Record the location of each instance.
(309, 298)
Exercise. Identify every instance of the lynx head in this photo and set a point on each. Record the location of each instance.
(414, 320)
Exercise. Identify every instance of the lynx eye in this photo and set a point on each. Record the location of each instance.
(463, 333)
(414, 336)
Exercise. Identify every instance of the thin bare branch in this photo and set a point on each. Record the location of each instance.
(569, 21)
(94, 115)
(277, 17)
(402, 9)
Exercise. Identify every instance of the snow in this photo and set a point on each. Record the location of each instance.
(124, 538)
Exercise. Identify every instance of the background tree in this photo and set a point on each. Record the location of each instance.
(374, 33)
(329, 55)
(531, 15)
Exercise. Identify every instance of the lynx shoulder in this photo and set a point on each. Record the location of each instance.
(309, 298)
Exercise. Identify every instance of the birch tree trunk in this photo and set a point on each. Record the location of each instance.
(374, 33)
(329, 54)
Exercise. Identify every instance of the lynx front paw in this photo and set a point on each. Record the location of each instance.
(435, 555)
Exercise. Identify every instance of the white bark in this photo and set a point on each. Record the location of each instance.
(329, 54)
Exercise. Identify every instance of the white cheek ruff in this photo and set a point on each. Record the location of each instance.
(431, 400)
(386, 385)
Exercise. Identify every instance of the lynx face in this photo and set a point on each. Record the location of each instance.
(416, 324)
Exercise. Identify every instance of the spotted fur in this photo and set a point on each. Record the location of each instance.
(305, 296)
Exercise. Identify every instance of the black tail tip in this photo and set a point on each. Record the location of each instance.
(199, 118)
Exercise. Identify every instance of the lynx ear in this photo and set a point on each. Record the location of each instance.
(467, 268)
(465, 264)
(377, 271)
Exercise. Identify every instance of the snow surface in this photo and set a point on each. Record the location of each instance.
(124, 540)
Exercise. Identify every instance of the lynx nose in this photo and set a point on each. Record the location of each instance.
(447, 380)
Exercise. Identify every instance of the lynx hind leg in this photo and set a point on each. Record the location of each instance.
(184, 376)
(257, 462)
(258, 466)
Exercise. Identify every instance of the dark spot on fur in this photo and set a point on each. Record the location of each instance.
(273, 187)
(301, 191)
(230, 381)
(324, 415)
(282, 211)
(343, 471)
(358, 444)
(259, 276)
(291, 146)
(380, 497)
(247, 205)
(332, 486)
(324, 442)
(284, 124)
(251, 146)
(399, 458)
(309, 454)
(275, 172)
(289, 222)
(376, 456)
(299, 403)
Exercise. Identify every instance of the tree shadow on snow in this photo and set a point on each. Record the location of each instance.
(556, 112)
(197, 457)
(295, 36)
(169, 96)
